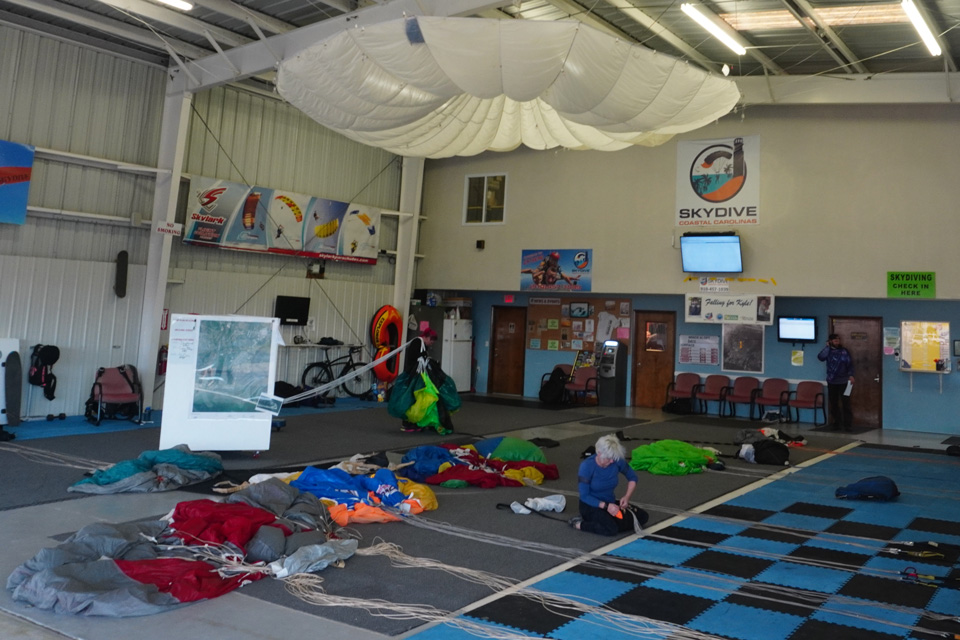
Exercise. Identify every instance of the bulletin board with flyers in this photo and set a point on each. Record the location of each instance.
(925, 347)
(576, 323)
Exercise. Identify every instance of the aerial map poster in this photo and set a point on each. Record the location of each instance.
(218, 369)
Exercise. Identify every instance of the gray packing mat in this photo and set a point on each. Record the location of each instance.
(613, 422)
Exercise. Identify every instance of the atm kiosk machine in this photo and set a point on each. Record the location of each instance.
(612, 374)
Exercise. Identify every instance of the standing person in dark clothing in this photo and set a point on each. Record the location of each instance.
(839, 374)
(599, 475)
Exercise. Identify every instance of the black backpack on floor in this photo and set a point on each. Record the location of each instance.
(552, 390)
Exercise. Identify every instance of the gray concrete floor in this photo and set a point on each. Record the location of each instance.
(236, 616)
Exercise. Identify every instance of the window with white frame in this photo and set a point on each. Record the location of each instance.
(484, 199)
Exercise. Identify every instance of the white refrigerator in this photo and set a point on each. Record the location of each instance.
(456, 357)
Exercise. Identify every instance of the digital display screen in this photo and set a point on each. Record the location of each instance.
(711, 254)
(796, 329)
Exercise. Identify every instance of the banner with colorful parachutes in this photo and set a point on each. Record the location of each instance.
(230, 215)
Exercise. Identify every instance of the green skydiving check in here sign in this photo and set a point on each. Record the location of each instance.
(911, 284)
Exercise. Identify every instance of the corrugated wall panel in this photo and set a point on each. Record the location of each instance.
(339, 309)
(57, 274)
(246, 137)
(73, 240)
(70, 304)
(70, 98)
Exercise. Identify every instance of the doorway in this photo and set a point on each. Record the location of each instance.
(654, 348)
(863, 338)
(507, 350)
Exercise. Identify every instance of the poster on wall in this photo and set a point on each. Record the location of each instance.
(556, 269)
(718, 182)
(16, 169)
(230, 215)
(728, 309)
(743, 348)
(699, 349)
(925, 346)
(220, 371)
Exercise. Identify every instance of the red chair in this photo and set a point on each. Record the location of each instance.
(711, 389)
(683, 386)
(808, 395)
(741, 392)
(116, 394)
(583, 382)
(774, 392)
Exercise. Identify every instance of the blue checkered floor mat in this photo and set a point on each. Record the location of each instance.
(786, 561)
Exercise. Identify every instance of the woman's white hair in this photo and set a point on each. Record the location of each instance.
(610, 448)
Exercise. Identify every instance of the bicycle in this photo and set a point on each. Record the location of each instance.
(320, 373)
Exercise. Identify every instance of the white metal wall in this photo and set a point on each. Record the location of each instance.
(70, 304)
(338, 309)
(57, 270)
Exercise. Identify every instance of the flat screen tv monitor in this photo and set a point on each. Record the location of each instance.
(711, 254)
(801, 329)
(292, 310)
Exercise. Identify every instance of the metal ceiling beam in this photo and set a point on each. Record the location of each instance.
(234, 10)
(675, 41)
(178, 20)
(124, 50)
(824, 33)
(340, 5)
(259, 56)
(110, 26)
(889, 88)
(575, 12)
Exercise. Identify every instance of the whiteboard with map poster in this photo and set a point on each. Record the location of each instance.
(220, 372)
(925, 346)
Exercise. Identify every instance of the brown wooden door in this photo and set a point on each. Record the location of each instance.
(654, 348)
(863, 338)
(507, 350)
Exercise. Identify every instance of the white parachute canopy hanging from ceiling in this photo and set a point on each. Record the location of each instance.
(438, 87)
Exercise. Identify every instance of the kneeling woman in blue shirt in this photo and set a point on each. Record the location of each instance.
(600, 510)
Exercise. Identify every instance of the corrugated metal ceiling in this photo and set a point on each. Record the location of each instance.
(144, 29)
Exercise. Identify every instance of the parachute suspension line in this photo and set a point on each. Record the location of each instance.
(307, 587)
(54, 459)
(785, 595)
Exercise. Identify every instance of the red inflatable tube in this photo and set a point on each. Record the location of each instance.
(385, 331)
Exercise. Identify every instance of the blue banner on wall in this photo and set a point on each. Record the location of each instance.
(556, 269)
(16, 167)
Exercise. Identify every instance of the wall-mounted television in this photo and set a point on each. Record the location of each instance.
(711, 253)
(292, 310)
(802, 329)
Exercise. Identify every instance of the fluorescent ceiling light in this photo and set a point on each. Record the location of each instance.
(177, 4)
(845, 16)
(922, 27)
(703, 18)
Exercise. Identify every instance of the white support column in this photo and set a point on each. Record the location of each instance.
(173, 135)
(408, 232)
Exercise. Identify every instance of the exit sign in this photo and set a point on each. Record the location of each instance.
(911, 284)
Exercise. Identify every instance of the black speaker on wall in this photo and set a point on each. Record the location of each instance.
(120, 282)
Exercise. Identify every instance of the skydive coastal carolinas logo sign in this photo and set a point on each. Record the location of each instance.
(718, 182)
